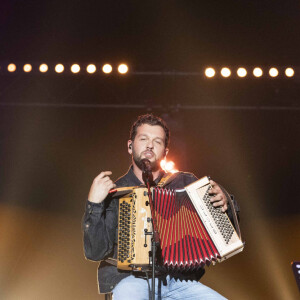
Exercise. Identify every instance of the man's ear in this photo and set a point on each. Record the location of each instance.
(129, 145)
(166, 152)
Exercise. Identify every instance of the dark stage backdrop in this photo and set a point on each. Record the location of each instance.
(49, 157)
(244, 133)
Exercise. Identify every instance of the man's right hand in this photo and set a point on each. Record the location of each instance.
(102, 184)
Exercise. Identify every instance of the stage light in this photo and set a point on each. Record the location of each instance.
(59, 68)
(107, 68)
(257, 72)
(242, 72)
(210, 72)
(11, 68)
(289, 72)
(123, 69)
(273, 72)
(225, 72)
(91, 68)
(75, 68)
(168, 166)
(27, 68)
(43, 68)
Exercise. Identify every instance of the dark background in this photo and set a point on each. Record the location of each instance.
(56, 133)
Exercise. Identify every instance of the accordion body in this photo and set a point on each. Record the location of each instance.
(192, 232)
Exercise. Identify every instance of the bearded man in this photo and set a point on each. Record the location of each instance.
(149, 139)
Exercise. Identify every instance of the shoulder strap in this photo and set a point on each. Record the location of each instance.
(168, 177)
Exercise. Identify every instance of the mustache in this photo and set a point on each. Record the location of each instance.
(138, 160)
(148, 151)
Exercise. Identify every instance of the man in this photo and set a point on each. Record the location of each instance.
(149, 138)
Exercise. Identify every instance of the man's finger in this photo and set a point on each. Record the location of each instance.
(225, 207)
(213, 192)
(108, 182)
(212, 183)
(215, 189)
(113, 189)
(104, 174)
(218, 197)
(111, 185)
(106, 179)
(219, 203)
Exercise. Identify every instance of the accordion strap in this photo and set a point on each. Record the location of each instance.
(166, 179)
(111, 261)
(234, 215)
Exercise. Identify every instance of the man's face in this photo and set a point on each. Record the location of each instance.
(149, 143)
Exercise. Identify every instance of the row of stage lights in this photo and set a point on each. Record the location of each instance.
(123, 69)
(242, 72)
(75, 68)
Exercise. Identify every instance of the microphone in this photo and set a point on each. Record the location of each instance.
(147, 171)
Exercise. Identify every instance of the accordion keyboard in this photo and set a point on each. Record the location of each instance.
(216, 222)
(221, 220)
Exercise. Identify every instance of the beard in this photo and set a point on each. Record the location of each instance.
(155, 166)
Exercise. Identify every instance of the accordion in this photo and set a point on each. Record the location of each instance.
(192, 232)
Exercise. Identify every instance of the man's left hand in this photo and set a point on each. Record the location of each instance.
(218, 198)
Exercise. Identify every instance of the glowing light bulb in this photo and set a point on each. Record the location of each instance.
(11, 68)
(123, 68)
(257, 72)
(27, 68)
(75, 68)
(210, 72)
(43, 68)
(59, 68)
(273, 72)
(107, 68)
(168, 166)
(225, 72)
(91, 68)
(289, 72)
(242, 72)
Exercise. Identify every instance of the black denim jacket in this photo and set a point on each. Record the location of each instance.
(100, 227)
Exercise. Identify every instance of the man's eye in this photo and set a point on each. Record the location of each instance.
(158, 142)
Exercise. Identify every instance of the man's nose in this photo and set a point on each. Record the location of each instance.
(150, 144)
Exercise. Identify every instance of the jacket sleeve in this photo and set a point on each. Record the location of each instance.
(99, 228)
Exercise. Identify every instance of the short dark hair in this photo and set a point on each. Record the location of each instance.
(153, 121)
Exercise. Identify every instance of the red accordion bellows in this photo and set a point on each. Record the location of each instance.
(184, 241)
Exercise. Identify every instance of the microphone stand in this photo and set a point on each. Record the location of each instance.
(148, 178)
